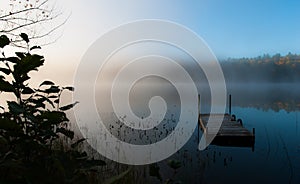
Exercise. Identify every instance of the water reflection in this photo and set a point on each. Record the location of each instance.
(273, 110)
(266, 96)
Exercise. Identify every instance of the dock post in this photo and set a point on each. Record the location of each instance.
(230, 104)
(253, 132)
(199, 103)
(198, 115)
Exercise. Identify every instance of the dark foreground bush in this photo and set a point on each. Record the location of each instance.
(31, 124)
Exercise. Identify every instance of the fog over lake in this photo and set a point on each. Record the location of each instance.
(272, 109)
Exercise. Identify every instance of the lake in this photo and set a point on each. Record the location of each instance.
(272, 109)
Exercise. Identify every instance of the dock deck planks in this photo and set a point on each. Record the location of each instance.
(230, 133)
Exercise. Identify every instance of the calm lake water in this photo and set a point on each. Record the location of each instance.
(272, 109)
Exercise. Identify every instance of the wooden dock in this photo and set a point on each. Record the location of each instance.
(230, 133)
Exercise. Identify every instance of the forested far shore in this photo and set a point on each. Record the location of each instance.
(264, 68)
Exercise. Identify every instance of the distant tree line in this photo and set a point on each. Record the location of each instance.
(266, 68)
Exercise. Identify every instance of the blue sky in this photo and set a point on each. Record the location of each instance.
(232, 28)
(237, 28)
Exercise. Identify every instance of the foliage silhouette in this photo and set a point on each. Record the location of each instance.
(33, 123)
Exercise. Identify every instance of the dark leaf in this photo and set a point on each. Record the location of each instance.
(68, 133)
(74, 145)
(21, 55)
(67, 107)
(23, 78)
(13, 59)
(6, 86)
(52, 96)
(46, 82)
(28, 63)
(35, 47)
(27, 90)
(69, 88)
(56, 101)
(4, 41)
(53, 117)
(43, 98)
(5, 70)
(38, 103)
(31, 117)
(24, 37)
(49, 134)
(15, 108)
(9, 125)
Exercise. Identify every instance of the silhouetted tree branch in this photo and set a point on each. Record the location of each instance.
(38, 18)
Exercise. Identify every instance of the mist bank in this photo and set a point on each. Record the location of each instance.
(262, 69)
